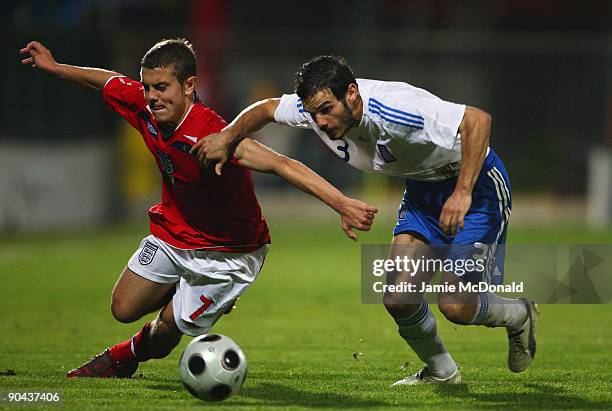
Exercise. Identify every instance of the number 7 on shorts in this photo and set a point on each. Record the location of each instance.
(207, 303)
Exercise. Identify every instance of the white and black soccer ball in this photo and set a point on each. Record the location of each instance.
(213, 367)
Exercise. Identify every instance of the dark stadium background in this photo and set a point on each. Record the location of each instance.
(541, 68)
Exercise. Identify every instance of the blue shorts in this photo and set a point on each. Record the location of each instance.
(485, 223)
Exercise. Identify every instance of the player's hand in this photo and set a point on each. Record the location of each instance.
(356, 214)
(454, 210)
(214, 149)
(40, 57)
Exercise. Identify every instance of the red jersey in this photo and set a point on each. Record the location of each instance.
(199, 210)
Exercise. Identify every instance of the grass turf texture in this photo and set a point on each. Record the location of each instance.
(308, 339)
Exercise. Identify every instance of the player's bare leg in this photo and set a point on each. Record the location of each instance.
(518, 316)
(459, 307)
(133, 297)
(416, 323)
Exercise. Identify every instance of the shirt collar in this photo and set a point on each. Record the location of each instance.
(364, 101)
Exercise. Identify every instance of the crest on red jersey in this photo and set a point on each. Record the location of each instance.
(166, 162)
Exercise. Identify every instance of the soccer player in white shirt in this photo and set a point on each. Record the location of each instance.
(457, 193)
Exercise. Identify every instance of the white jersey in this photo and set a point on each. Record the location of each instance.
(405, 131)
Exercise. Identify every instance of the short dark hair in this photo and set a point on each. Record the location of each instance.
(319, 73)
(175, 53)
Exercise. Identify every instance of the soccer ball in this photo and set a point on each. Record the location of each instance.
(213, 367)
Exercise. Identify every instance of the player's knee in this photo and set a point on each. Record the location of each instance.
(123, 312)
(402, 301)
(456, 313)
(399, 308)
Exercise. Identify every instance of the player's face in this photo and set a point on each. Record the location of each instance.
(165, 96)
(334, 117)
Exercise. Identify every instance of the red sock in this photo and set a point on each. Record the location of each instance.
(126, 351)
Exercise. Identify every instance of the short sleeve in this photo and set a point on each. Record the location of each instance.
(444, 124)
(215, 124)
(290, 111)
(126, 97)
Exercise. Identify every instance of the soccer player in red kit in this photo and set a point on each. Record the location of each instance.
(208, 236)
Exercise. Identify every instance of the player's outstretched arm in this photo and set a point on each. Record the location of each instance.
(218, 148)
(475, 130)
(353, 213)
(40, 57)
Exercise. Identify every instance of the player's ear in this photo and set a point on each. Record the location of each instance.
(189, 85)
(351, 94)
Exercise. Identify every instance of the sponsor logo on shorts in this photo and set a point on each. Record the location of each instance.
(148, 252)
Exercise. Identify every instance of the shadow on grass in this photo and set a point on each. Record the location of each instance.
(274, 395)
(542, 396)
(284, 396)
(166, 387)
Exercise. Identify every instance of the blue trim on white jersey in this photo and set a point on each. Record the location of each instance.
(300, 106)
(384, 117)
(395, 116)
(405, 113)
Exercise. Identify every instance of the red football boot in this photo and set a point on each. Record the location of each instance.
(103, 366)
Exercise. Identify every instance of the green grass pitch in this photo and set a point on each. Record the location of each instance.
(308, 339)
